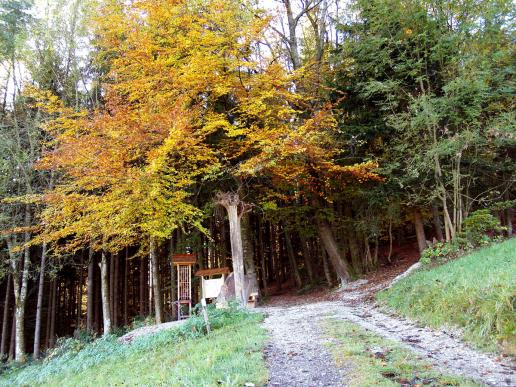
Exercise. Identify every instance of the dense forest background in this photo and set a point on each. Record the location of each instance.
(310, 138)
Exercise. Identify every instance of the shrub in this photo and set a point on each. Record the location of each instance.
(476, 226)
(475, 229)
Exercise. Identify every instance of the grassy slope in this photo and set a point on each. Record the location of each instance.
(230, 355)
(370, 360)
(475, 292)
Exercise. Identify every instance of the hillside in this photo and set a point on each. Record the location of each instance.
(475, 293)
(230, 356)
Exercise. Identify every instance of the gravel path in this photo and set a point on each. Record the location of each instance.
(296, 355)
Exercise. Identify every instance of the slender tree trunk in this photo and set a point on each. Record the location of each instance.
(111, 286)
(39, 307)
(97, 304)
(390, 241)
(275, 256)
(5, 319)
(156, 282)
(142, 286)
(49, 308)
(292, 257)
(326, 269)
(126, 269)
(106, 312)
(80, 289)
(116, 296)
(420, 230)
(307, 257)
(263, 265)
(12, 343)
(91, 288)
(51, 335)
(508, 215)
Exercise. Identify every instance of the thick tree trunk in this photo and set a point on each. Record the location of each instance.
(155, 281)
(39, 307)
(91, 287)
(5, 319)
(420, 230)
(104, 281)
(292, 258)
(236, 252)
(248, 251)
(331, 247)
(231, 202)
(20, 282)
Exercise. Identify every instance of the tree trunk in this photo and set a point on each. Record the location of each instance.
(231, 202)
(116, 296)
(307, 257)
(508, 215)
(39, 307)
(248, 251)
(155, 281)
(5, 319)
(292, 258)
(326, 269)
(437, 223)
(104, 280)
(420, 230)
(52, 325)
(331, 247)
(80, 289)
(236, 252)
(13, 338)
(20, 282)
(91, 287)
(126, 269)
(111, 286)
(142, 286)
(263, 265)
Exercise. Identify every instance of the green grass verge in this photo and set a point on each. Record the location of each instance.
(230, 355)
(476, 293)
(370, 360)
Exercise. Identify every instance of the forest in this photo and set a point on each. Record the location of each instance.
(302, 143)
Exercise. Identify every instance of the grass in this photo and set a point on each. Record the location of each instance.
(370, 360)
(230, 355)
(476, 293)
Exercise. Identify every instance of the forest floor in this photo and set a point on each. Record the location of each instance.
(308, 343)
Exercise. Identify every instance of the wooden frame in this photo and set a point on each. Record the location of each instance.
(184, 263)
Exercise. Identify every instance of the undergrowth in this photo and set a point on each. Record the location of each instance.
(476, 293)
(187, 355)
